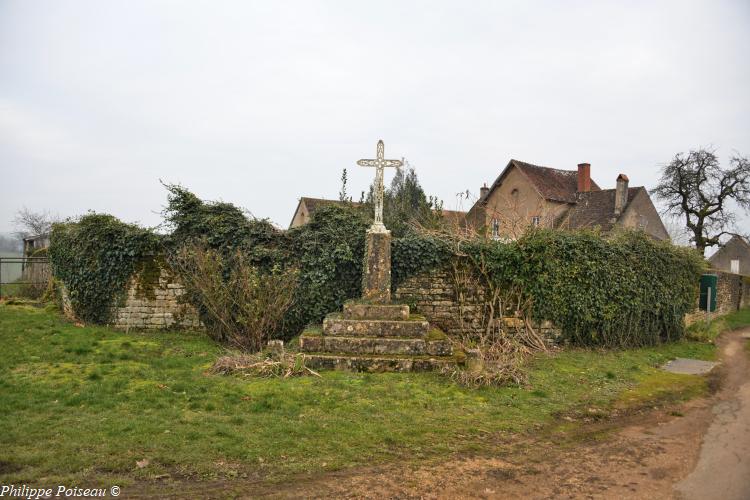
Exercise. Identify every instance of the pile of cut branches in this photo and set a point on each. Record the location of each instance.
(282, 365)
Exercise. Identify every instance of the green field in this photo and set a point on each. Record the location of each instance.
(86, 403)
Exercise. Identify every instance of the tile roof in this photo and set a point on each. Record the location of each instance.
(552, 183)
(314, 204)
(597, 209)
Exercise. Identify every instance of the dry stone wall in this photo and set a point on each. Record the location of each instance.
(732, 293)
(150, 302)
(434, 295)
(458, 310)
(461, 312)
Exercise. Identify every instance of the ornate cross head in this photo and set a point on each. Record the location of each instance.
(379, 163)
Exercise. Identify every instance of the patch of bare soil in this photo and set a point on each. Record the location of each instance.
(637, 456)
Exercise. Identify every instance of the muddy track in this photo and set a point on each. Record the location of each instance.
(693, 450)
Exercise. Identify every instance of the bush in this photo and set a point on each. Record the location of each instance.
(237, 303)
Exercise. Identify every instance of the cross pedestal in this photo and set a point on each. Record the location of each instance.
(376, 279)
(372, 334)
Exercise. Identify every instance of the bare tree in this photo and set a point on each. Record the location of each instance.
(30, 223)
(696, 189)
(678, 233)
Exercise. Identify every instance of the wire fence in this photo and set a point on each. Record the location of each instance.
(20, 274)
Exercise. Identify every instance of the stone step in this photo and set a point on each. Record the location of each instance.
(359, 310)
(436, 344)
(336, 325)
(363, 363)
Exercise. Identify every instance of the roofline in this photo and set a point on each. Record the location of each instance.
(499, 178)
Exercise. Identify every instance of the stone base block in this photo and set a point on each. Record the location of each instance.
(336, 325)
(440, 346)
(355, 310)
(377, 363)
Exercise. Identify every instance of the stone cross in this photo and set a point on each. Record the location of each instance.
(379, 163)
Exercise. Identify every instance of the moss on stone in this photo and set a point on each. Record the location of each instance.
(147, 277)
(435, 334)
(312, 331)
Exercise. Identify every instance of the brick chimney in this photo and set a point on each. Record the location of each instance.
(621, 193)
(483, 191)
(584, 177)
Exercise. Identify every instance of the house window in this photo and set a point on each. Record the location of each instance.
(495, 229)
(734, 266)
(536, 220)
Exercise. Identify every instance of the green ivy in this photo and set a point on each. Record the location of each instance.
(222, 226)
(94, 257)
(329, 253)
(625, 290)
(622, 290)
(415, 254)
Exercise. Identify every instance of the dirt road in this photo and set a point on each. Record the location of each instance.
(723, 469)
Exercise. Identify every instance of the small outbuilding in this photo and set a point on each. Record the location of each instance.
(733, 257)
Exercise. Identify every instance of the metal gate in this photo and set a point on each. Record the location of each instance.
(19, 272)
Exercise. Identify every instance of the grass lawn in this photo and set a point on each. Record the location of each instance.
(85, 403)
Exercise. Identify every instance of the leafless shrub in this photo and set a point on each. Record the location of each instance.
(237, 303)
(508, 337)
(30, 223)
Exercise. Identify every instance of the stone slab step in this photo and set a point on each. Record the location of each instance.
(358, 310)
(323, 361)
(336, 325)
(439, 346)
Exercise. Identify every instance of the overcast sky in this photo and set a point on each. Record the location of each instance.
(259, 103)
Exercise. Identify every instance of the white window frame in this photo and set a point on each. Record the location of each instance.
(734, 266)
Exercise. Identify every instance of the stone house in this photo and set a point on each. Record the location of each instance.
(525, 194)
(307, 207)
(733, 257)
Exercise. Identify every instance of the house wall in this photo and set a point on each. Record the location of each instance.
(514, 212)
(641, 214)
(301, 216)
(734, 249)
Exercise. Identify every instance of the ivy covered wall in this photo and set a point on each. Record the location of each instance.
(617, 291)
